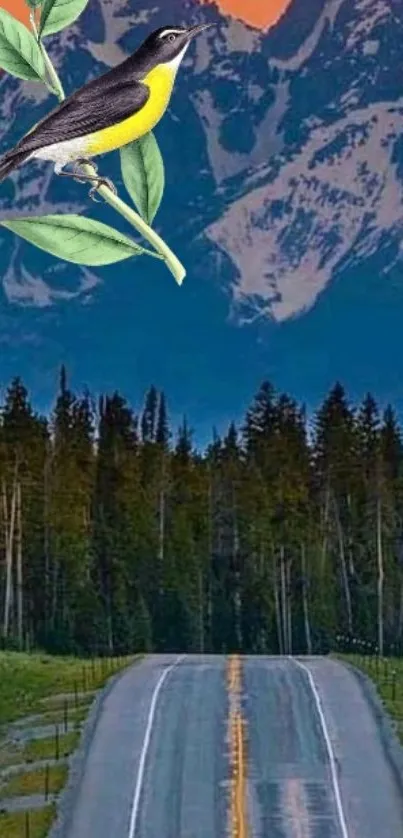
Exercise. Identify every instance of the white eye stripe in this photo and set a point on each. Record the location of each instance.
(171, 32)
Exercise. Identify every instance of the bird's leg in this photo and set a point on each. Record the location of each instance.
(101, 180)
(84, 178)
(83, 161)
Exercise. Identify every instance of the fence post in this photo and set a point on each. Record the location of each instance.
(57, 744)
(47, 781)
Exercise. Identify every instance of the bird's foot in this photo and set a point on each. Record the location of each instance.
(102, 181)
(83, 161)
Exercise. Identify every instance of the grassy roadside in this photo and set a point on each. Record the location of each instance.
(40, 822)
(33, 782)
(48, 748)
(26, 680)
(38, 690)
(387, 675)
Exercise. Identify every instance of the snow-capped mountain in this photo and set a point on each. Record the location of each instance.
(283, 154)
(299, 153)
(326, 200)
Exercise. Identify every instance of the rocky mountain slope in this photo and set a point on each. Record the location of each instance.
(298, 143)
(284, 170)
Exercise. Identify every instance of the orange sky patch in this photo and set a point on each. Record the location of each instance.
(259, 13)
(17, 8)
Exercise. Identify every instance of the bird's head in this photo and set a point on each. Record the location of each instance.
(169, 44)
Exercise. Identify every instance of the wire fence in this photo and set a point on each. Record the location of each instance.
(49, 781)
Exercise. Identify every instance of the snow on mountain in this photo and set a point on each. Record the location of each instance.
(335, 198)
(332, 195)
(300, 146)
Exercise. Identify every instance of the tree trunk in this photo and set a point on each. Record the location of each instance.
(380, 573)
(325, 524)
(161, 534)
(7, 597)
(237, 576)
(351, 567)
(201, 611)
(109, 622)
(9, 526)
(305, 604)
(19, 570)
(289, 607)
(210, 536)
(46, 541)
(161, 530)
(262, 561)
(283, 600)
(343, 567)
(55, 582)
(278, 609)
(400, 615)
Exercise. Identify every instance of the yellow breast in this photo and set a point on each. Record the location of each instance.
(160, 81)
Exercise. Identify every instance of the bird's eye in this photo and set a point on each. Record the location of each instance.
(171, 37)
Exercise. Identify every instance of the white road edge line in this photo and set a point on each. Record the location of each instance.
(332, 760)
(146, 745)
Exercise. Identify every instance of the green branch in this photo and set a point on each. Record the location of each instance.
(55, 84)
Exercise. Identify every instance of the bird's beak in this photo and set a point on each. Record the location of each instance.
(195, 30)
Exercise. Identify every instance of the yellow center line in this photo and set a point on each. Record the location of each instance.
(237, 814)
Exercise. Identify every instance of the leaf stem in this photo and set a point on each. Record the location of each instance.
(162, 250)
(172, 262)
(55, 83)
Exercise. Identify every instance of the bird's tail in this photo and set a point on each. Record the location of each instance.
(10, 161)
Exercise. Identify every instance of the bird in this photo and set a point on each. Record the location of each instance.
(108, 112)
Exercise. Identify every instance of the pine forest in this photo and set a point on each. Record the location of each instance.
(117, 535)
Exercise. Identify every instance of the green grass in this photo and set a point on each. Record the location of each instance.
(12, 825)
(35, 684)
(25, 680)
(38, 749)
(387, 675)
(33, 782)
(56, 715)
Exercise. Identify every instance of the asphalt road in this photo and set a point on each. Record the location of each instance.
(310, 778)
(158, 763)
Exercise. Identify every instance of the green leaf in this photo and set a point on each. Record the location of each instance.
(19, 52)
(57, 14)
(75, 238)
(143, 174)
(34, 4)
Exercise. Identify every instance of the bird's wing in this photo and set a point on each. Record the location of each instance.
(82, 114)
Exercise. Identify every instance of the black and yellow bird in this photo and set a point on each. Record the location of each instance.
(110, 111)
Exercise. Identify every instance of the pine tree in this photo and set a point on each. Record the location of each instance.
(70, 486)
(23, 452)
(149, 416)
(272, 540)
(335, 459)
(118, 522)
(162, 433)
